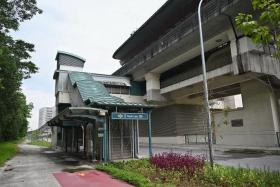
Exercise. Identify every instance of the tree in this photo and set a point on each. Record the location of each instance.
(15, 65)
(264, 26)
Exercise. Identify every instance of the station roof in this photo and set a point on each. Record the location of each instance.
(158, 24)
(82, 113)
(103, 78)
(69, 54)
(94, 93)
(111, 80)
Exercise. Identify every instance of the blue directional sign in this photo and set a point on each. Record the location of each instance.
(130, 116)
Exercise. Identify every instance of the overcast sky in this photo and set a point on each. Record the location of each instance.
(92, 29)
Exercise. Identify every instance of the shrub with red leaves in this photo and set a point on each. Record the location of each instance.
(181, 162)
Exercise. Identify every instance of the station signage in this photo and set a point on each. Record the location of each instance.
(129, 116)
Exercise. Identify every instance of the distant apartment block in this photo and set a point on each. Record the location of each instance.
(45, 114)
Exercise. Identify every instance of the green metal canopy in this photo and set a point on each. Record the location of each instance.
(94, 93)
(77, 113)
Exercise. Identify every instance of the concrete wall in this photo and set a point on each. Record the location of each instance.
(130, 98)
(54, 137)
(70, 68)
(62, 97)
(61, 92)
(258, 125)
(61, 82)
(76, 99)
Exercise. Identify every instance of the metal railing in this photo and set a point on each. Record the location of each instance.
(182, 29)
(195, 138)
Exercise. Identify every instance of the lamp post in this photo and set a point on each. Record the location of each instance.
(209, 129)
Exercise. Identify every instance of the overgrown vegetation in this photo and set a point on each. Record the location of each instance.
(229, 176)
(174, 172)
(15, 66)
(7, 151)
(34, 139)
(263, 27)
(41, 143)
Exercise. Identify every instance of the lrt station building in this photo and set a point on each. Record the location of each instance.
(97, 115)
(164, 55)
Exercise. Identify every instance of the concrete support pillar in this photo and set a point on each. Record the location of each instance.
(65, 130)
(94, 140)
(73, 139)
(62, 140)
(133, 138)
(77, 139)
(54, 137)
(235, 52)
(274, 110)
(229, 102)
(261, 120)
(153, 87)
(256, 123)
(150, 134)
(137, 138)
(235, 57)
(105, 141)
(84, 138)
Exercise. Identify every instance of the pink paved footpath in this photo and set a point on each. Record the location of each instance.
(90, 178)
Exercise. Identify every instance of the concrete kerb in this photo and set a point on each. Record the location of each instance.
(221, 148)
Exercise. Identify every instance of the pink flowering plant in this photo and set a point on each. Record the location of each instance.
(186, 163)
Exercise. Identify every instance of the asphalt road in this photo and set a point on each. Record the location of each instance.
(254, 161)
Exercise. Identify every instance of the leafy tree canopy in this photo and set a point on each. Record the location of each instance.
(15, 65)
(13, 12)
(263, 27)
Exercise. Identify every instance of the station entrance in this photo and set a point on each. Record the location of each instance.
(98, 134)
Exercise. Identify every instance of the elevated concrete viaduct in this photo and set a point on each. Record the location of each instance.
(168, 62)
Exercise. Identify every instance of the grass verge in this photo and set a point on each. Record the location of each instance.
(41, 143)
(144, 174)
(230, 176)
(7, 151)
(128, 176)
